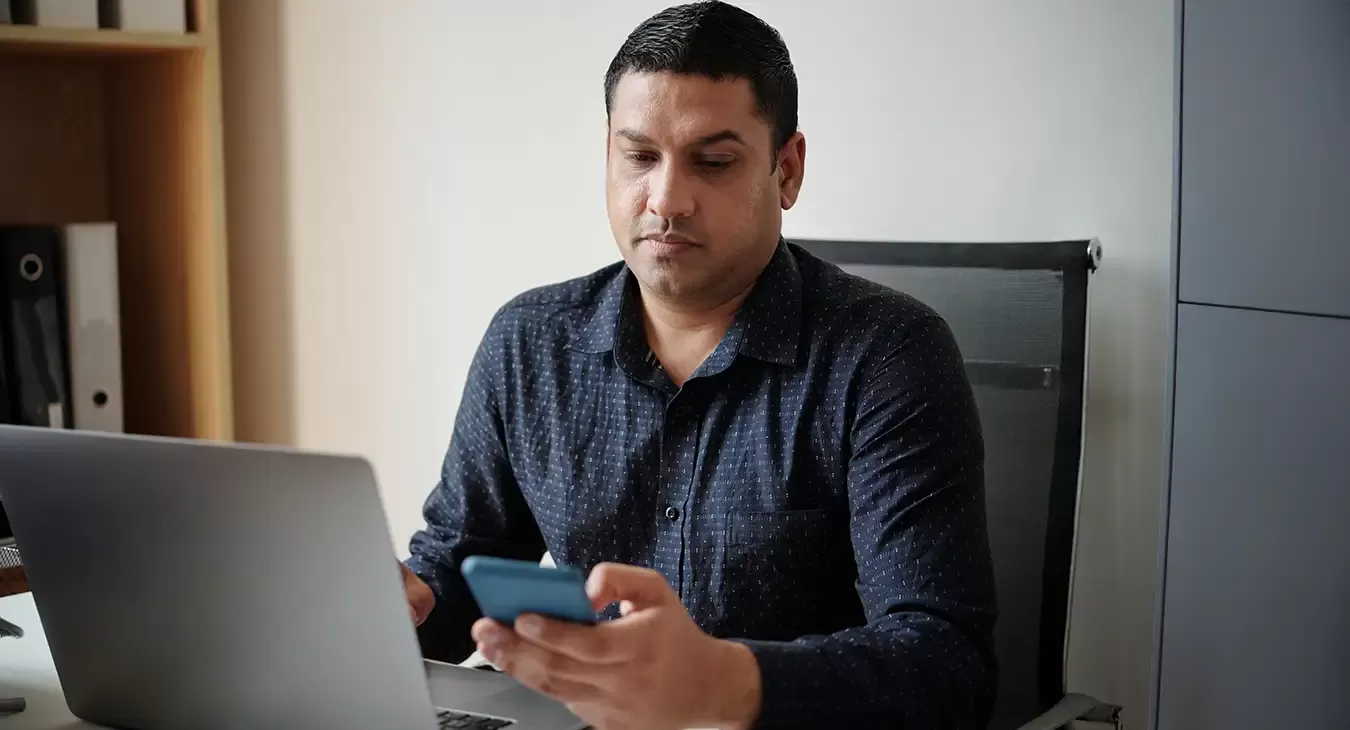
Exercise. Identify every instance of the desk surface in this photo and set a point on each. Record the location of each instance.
(26, 670)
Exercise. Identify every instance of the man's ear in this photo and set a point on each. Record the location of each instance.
(791, 170)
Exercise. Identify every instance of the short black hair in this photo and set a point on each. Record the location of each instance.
(716, 40)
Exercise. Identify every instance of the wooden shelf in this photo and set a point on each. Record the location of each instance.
(106, 125)
(94, 42)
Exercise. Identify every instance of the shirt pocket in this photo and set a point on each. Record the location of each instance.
(781, 569)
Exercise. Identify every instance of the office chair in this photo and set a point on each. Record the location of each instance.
(1019, 312)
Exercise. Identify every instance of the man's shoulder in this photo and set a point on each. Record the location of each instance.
(837, 300)
(551, 310)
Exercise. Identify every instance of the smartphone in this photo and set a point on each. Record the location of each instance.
(505, 589)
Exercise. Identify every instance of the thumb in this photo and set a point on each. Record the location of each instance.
(637, 587)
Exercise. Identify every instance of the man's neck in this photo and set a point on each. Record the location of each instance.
(682, 337)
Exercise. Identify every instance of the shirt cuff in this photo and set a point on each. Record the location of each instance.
(790, 687)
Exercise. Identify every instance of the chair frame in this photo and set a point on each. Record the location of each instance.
(1076, 261)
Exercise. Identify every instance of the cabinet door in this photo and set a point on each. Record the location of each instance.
(1265, 154)
(1255, 627)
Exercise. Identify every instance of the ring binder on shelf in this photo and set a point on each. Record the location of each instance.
(34, 330)
(93, 323)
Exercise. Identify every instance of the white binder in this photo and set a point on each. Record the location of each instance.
(154, 16)
(56, 13)
(94, 325)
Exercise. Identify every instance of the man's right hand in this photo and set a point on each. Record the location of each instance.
(420, 598)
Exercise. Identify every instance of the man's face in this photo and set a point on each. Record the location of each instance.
(694, 196)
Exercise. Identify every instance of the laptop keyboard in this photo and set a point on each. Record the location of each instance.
(451, 720)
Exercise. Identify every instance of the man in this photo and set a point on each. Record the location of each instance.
(772, 470)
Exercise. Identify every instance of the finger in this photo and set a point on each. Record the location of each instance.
(421, 600)
(488, 631)
(606, 643)
(641, 587)
(420, 609)
(492, 634)
(549, 673)
(596, 715)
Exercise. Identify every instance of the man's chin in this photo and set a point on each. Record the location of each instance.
(669, 281)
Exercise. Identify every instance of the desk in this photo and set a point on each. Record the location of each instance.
(26, 670)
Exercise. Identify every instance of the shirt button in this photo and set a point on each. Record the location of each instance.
(672, 514)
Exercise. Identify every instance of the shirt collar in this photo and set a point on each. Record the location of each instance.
(772, 314)
(595, 328)
(768, 326)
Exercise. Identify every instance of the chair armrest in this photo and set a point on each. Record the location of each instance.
(1075, 707)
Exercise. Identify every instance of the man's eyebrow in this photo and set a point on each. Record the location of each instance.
(725, 135)
(634, 137)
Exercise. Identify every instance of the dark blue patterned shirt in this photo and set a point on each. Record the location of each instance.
(815, 489)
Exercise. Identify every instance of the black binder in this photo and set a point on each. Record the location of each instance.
(34, 326)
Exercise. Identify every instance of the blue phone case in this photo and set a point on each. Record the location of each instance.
(505, 589)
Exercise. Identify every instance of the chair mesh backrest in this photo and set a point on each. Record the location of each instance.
(1010, 324)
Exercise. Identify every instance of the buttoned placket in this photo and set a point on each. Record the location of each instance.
(678, 439)
(679, 456)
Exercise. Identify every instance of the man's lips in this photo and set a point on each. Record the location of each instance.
(670, 240)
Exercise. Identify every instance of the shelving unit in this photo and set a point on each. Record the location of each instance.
(107, 125)
(91, 42)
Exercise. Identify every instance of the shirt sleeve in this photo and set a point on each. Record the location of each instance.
(476, 508)
(925, 657)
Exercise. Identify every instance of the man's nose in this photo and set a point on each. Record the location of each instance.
(670, 193)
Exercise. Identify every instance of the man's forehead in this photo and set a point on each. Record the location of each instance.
(668, 106)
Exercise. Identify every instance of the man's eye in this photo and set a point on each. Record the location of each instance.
(641, 158)
(714, 163)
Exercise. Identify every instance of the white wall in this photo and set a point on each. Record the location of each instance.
(398, 172)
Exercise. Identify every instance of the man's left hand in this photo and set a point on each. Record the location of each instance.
(651, 668)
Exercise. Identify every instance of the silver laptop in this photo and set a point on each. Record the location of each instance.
(207, 585)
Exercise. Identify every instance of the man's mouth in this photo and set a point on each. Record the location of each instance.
(670, 240)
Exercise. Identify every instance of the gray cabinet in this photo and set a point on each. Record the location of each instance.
(1265, 155)
(1256, 633)
(1254, 611)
